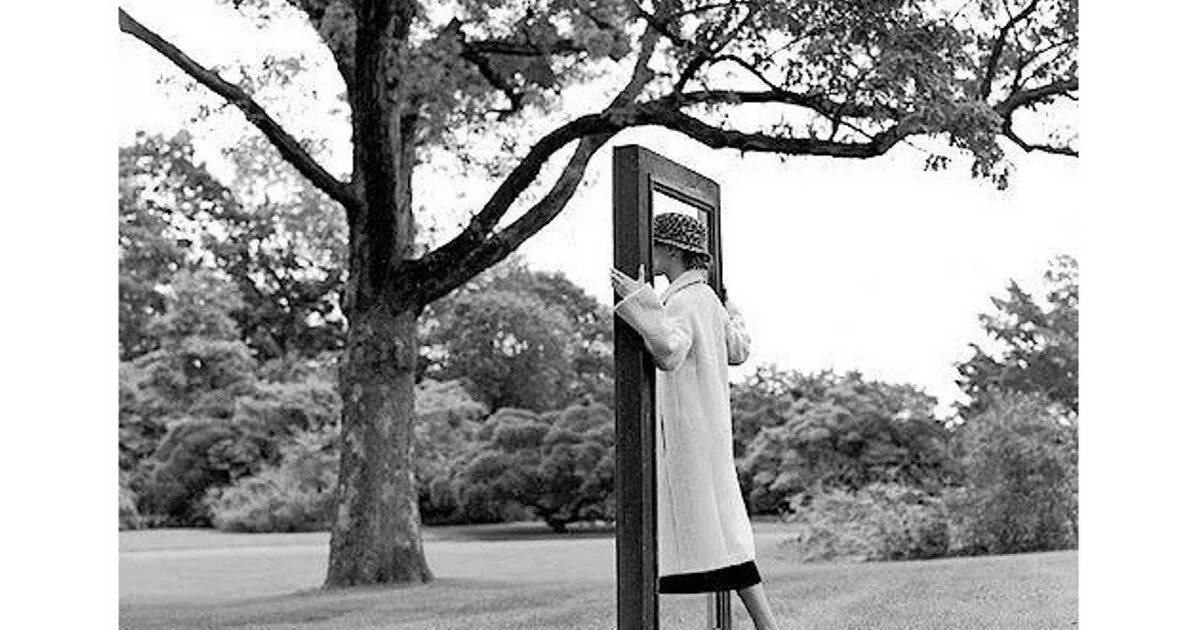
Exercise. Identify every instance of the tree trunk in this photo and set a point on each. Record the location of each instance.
(377, 531)
(376, 535)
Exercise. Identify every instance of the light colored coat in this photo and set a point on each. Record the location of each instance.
(702, 520)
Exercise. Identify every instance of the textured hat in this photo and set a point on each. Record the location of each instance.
(682, 231)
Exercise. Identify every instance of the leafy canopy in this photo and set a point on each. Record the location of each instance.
(1037, 344)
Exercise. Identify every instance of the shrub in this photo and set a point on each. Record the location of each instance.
(138, 432)
(1019, 459)
(198, 454)
(557, 465)
(128, 516)
(280, 408)
(299, 493)
(271, 501)
(878, 522)
(447, 421)
(296, 496)
(839, 432)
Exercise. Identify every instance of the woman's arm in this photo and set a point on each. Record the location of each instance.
(668, 338)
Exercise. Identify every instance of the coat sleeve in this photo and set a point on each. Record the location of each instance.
(668, 338)
(737, 340)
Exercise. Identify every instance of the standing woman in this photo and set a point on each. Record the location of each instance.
(705, 543)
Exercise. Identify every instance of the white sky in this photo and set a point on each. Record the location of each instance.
(873, 265)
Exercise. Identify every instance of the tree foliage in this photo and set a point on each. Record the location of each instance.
(195, 415)
(558, 465)
(160, 190)
(880, 521)
(521, 338)
(852, 79)
(284, 246)
(843, 432)
(198, 454)
(1038, 344)
(1021, 484)
(448, 420)
(201, 364)
(269, 233)
(513, 348)
(294, 496)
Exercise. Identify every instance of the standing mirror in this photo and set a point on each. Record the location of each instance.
(646, 184)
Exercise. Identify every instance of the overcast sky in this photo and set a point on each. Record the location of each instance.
(872, 265)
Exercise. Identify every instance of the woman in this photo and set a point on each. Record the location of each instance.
(705, 542)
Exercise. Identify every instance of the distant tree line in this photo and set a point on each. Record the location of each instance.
(230, 326)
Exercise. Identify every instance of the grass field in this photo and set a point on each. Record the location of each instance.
(520, 577)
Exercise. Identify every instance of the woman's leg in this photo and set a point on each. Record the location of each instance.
(755, 600)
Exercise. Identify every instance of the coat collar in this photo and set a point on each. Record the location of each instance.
(685, 279)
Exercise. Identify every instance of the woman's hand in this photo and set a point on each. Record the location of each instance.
(624, 285)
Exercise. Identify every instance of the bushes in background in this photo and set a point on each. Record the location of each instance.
(128, 516)
(836, 431)
(196, 455)
(295, 496)
(878, 522)
(1013, 474)
(448, 419)
(1020, 491)
(557, 465)
(298, 493)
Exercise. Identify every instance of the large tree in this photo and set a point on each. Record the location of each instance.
(859, 76)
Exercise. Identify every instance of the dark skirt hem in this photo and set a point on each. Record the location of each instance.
(731, 578)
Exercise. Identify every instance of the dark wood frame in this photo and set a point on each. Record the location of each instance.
(637, 174)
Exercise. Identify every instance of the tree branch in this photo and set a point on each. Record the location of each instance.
(478, 53)
(519, 49)
(473, 250)
(496, 248)
(1024, 98)
(476, 248)
(478, 229)
(1025, 61)
(708, 54)
(702, 8)
(1031, 147)
(642, 74)
(318, 11)
(489, 74)
(985, 87)
(815, 101)
(749, 67)
(464, 256)
(288, 147)
(663, 27)
(719, 138)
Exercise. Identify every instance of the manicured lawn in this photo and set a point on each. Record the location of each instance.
(520, 577)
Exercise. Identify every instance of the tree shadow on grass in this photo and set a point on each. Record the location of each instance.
(354, 607)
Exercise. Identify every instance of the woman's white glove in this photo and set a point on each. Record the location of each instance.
(624, 285)
(732, 309)
(737, 341)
